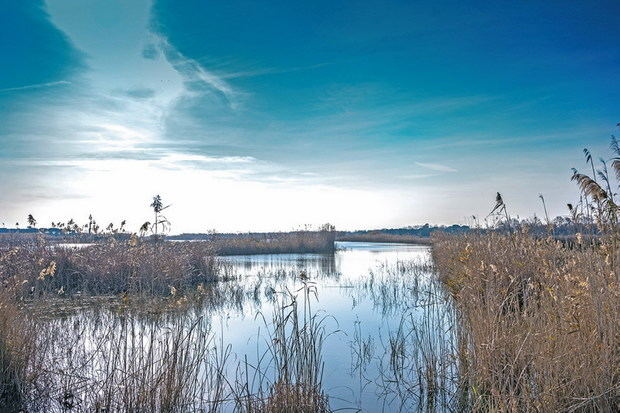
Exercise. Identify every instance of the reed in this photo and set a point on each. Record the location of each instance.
(540, 322)
(118, 359)
(295, 242)
(288, 377)
(37, 268)
(15, 349)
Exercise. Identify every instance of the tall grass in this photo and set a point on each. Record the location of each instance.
(15, 349)
(273, 243)
(104, 361)
(288, 377)
(124, 364)
(416, 355)
(38, 268)
(540, 322)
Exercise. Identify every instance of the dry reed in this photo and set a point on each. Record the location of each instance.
(540, 322)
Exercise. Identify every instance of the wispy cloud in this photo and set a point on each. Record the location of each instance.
(195, 75)
(269, 71)
(417, 176)
(36, 86)
(436, 167)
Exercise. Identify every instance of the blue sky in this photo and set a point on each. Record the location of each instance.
(270, 115)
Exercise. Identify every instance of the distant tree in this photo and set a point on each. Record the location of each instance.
(158, 207)
(327, 227)
(90, 223)
(31, 221)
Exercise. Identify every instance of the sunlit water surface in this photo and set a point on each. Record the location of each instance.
(384, 314)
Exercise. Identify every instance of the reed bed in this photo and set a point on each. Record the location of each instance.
(288, 376)
(125, 363)
(37, 268)
(539, 324)
(295, 242)
(417, 355)
(16, 347)
(111, 359)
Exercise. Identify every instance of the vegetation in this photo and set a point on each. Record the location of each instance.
(539, 322)
(136, 266)
(378, 236)
(130, 363)
(15, 348)
(295, 343)
(276, 243)
(409, 235)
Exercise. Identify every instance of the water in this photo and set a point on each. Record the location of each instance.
(387, 323)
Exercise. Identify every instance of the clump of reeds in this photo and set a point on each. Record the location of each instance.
(114, 359)
(125, 363)
(294, 355)
(133, 266)
(13, 354)
(540, 324)
(273, 243)
(418, 370)
(294, 397)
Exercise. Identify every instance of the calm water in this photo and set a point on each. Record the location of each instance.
(385, 319)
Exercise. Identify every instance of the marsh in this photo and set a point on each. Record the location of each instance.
(370, 312)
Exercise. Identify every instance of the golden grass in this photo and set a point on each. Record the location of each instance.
(297, 242)
(539, 322)
(37, 265)
(134, 266)
(16, 348)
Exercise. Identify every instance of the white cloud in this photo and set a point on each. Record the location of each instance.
(181, 157)
(417, 176)
(436, 167)
(192, 71)
(36, 86)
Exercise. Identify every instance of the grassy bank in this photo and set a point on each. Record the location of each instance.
(37, 268)
(540, 322)
(296, 242)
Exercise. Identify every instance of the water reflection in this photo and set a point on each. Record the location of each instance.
(270, 265)
(386, 328)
